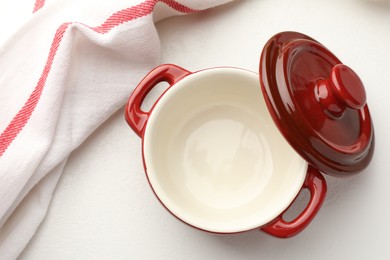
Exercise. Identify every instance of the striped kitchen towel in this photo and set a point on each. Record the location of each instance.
(65, 67)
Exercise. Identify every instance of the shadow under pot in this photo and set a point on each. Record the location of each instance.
(226, 152)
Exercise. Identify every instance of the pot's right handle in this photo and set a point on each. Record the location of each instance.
(135, 116)
(316, 184)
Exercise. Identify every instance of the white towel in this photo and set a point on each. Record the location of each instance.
(65, 67)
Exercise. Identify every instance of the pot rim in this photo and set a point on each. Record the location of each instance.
(165, 199)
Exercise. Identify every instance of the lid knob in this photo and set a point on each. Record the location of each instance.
(341, 90)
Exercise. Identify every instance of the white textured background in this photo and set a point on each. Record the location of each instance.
(104, 209)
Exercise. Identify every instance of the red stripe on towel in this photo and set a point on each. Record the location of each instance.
(38, 5)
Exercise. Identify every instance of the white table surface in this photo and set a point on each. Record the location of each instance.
(104, 208)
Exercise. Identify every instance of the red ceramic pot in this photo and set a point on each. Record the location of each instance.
(218, 154)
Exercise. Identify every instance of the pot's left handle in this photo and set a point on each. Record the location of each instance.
(135, 116)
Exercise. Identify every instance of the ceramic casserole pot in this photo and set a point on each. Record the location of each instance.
(227, 151)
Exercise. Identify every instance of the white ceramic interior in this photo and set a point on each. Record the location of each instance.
(215, 158)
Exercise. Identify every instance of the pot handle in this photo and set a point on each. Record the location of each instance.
(135, 116)
(316, 184)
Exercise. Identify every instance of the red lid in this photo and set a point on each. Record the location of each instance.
(318, 103)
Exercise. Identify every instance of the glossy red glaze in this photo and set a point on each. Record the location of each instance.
(317, 103)
(316, 184)
(135, 116)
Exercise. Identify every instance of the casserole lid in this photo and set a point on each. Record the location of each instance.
(318, 103)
